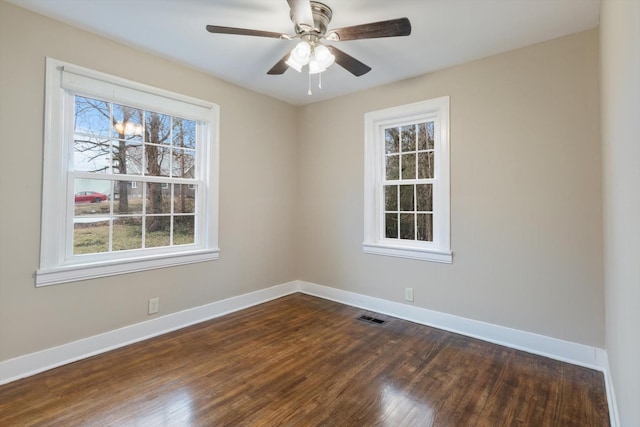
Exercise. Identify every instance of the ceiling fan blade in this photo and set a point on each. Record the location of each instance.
(391, 28)
(301, 11)
(280, 67)
(348, 62)
(244, 32)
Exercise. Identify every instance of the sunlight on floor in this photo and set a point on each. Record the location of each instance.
(402, 409)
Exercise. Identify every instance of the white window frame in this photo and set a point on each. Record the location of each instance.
(57, 265)
(375, 122)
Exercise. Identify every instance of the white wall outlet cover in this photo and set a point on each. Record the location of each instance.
(408, 294)
(154, 305)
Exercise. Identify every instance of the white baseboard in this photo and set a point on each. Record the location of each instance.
(40, 361)
(614, 418)
(577, 354)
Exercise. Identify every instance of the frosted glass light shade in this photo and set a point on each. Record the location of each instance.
(299, 56)
(314, 66)
(323, 56)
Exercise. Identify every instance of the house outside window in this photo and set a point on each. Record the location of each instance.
(130, 177)
(407, 181)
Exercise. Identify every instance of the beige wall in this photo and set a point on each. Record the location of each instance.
(257, 192)
(620, 65)
(526, 197)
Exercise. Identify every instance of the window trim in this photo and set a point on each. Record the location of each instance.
(55, 267)
(375, 122)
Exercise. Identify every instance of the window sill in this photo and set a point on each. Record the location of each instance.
(74, 273)
(408, 252)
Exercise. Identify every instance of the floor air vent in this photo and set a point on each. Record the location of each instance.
(370, 319)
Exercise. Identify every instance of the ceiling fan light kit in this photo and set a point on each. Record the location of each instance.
(318, 57)
(311, 20)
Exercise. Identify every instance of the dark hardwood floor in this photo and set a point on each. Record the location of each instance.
(305, 361)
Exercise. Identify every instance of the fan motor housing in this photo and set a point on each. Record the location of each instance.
(321, 17)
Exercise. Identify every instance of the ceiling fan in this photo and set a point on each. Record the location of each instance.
(311, 20)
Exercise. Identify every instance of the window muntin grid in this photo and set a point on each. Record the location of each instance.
(409, 171)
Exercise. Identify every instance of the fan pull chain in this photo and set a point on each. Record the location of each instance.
(319, 80)
(309, 92)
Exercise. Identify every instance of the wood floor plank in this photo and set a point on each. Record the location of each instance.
(305, 361)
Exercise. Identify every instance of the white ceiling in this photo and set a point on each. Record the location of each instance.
(445, 33)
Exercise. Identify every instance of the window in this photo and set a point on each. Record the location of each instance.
(407, 181)
(130, 177)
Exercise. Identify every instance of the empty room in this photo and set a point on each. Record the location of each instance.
(335, 213)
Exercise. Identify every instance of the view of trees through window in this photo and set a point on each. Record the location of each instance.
(408, 183)
(134, 176)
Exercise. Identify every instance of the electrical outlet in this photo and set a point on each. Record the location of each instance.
(408, 294)
(154, 305)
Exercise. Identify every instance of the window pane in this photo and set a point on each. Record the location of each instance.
(408, 138)
(391, 140)
(184, 133)
(424, 197)
(393, 167)
(407, 226)
(158, 231)
(158, 198)
(127, 157)
(127, 197)
(409, 166)
(425, 227)
(91, 196)
(184, 163)
(91, 155)
(425, 136)
(183, 230)
(127, 233)
(391, 197)
(406, 198)
(391, 226)
(92, 117)
(425, 165)
(128, 123)
(422, 136)
(157, 160)
(90, 235)
(184, 198)
(157, 129)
